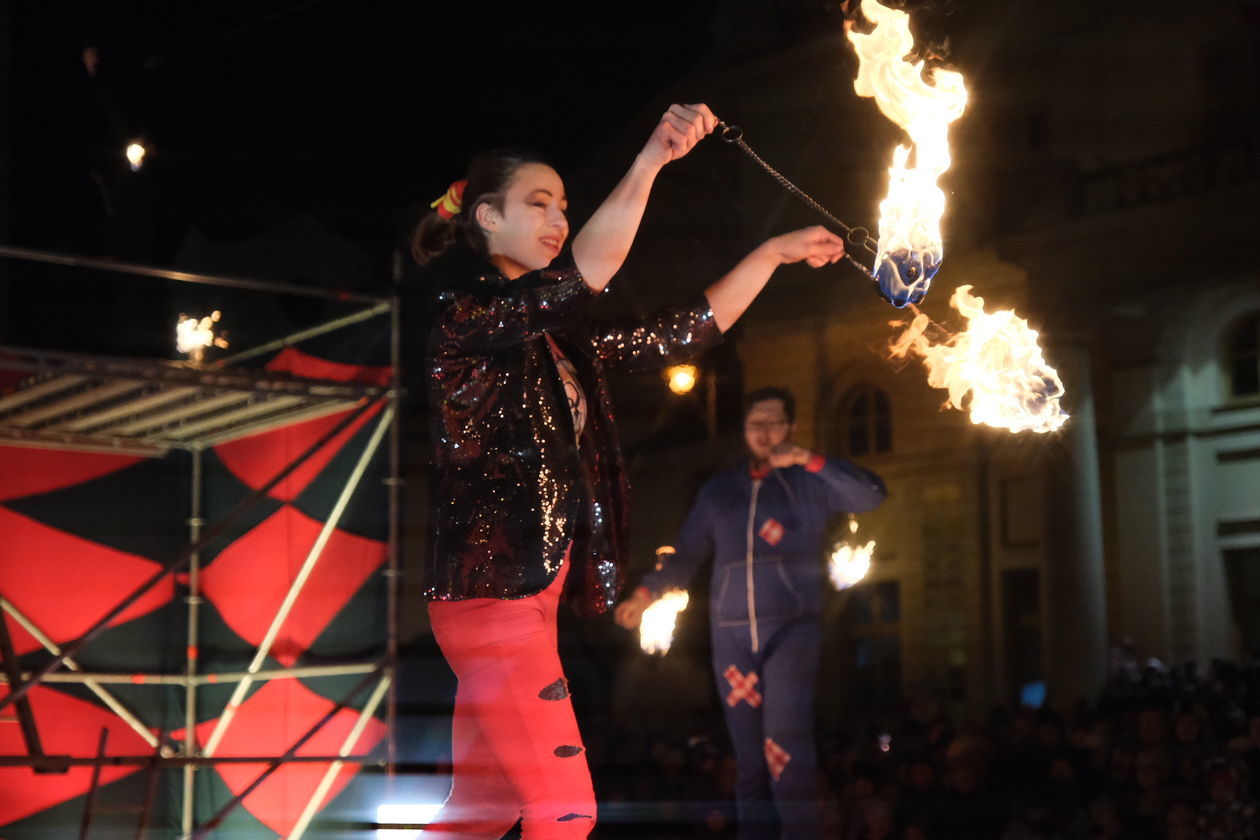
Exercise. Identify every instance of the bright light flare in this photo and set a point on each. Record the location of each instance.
(656, 632)
(682, 378)
(849, 561)
(993, 369)
(404, 814)
(910, 248)
(194, 335)
(135, 155)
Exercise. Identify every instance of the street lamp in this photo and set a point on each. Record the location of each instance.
(681, 378)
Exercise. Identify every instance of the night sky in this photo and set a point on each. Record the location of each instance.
(351, 117)
(255, 111)
(354, 114)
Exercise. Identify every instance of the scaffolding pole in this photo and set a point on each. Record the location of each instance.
(135, 269)
(195, 522)
(393, 573)
(290, 340)
(61, 763)
(296, 673)
(85, 825)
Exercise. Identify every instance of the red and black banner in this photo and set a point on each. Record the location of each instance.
(80, 531)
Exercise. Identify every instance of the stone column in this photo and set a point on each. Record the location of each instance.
(1075, 596)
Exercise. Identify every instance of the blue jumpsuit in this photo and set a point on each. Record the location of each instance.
(765, 534)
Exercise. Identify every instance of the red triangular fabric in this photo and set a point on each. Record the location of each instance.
(64, 584)
(67, 726)
(265, 561)
(26, 471)
(294, 361)
(268, 724)
(256, 460)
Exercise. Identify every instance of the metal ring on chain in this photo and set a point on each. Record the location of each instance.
(862, 236)
(857, 236)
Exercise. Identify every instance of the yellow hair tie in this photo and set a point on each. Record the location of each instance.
(448, 206)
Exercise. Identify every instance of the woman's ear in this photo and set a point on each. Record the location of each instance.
(486, 215)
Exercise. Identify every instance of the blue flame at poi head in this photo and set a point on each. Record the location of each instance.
(904, 275)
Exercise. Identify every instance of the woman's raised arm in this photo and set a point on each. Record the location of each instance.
(604, 241)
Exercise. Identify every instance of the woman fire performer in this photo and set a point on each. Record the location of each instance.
(530, 499)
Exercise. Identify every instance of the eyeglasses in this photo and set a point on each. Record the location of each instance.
(765, 425)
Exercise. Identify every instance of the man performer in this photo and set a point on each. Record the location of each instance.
(763, 522)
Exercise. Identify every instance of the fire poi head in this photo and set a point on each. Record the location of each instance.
(910, 248)
(994, 368)
(656, 629)
(850, 559)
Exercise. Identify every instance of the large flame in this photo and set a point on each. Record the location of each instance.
(910, 248)
(993, 368)
(656, 632)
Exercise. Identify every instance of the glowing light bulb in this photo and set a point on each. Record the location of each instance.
(682, 378)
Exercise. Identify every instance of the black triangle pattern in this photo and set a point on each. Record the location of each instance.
(139, 510)
(357, 632)
(366, 514)
(221, 492)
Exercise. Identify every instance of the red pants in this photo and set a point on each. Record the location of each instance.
(516, 750)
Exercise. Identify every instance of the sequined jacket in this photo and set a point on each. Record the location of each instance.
(513, 487)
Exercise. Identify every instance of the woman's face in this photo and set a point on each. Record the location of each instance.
(531, 229)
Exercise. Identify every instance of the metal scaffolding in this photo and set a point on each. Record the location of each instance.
(148, 408)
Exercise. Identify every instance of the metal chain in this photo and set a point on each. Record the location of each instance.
(859, 236)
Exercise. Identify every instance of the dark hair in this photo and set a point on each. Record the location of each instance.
(772, 393)
(489, 176)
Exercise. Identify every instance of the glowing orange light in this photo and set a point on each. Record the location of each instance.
(194, 335)
(682, 378)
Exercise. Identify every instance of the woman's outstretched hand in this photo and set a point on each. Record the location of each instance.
(816, 246)
(732, 294)
(680, 129)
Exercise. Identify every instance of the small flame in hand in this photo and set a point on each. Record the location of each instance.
(994, 368)
(194, 335)
(849, 561)
(135, 153)
(910, 245)
(656, 632)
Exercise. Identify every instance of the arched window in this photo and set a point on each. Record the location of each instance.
(866, 420)
(1242, 357)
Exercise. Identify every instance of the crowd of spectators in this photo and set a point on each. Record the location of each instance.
(1162, 752)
